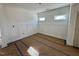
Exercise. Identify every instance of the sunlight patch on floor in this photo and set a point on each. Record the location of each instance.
(32, 51)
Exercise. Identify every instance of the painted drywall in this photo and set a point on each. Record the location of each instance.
(19, 22)
(3, 26)
(50, 26)
(24, 22)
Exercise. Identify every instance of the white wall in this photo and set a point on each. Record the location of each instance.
(3, 26)
(24, 21)
(51, 27)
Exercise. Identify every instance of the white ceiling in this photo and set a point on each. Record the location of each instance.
(38, 7)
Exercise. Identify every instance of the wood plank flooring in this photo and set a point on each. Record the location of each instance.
(45, 45)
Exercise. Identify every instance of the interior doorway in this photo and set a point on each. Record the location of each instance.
(76, 36)
(0, 38)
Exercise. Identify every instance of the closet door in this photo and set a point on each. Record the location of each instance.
(76, 36)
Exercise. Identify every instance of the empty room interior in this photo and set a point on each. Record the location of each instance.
(39, 29)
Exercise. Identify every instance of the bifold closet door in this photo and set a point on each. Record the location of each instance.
(76, 36)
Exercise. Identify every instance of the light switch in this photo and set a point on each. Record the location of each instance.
(13, 26)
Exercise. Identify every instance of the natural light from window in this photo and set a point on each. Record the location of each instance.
(32, 51)
(42, 19)
(60, 17)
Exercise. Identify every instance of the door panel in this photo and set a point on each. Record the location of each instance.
(76, 36)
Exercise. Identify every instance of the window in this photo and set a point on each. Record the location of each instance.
(60, 17)
(42, 19)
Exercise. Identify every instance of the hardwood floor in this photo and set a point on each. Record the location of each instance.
(45, 45)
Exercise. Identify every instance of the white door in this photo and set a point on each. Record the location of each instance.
(0, 37)
(76, 37)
